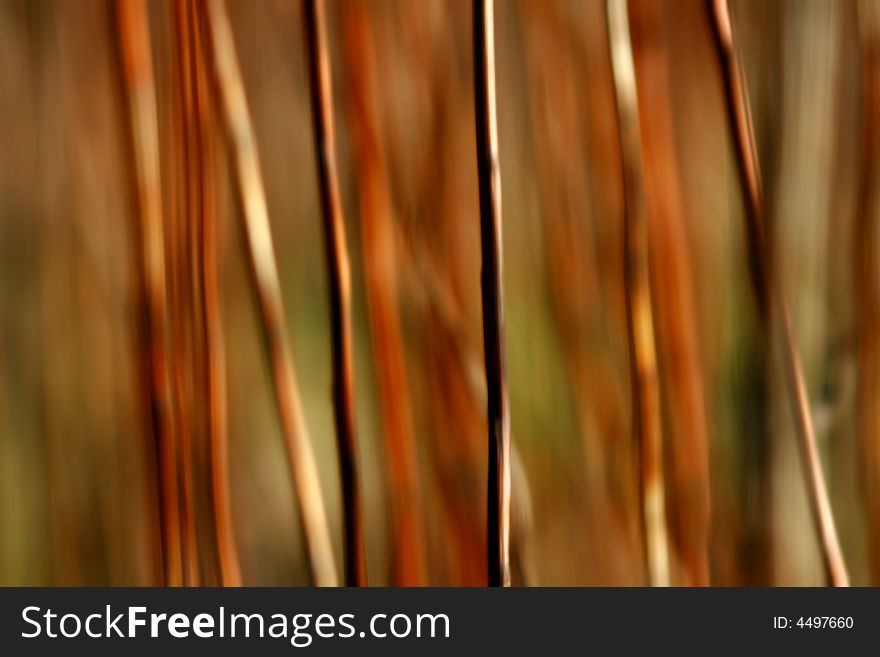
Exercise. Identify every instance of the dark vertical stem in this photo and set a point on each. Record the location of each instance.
(339, 281)
(489, 174)
(740, 116)
(770, 295)
(134, 39)
(267, 287)
(640, 321)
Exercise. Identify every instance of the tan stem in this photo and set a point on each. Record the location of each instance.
(264, 278)
(771, 297)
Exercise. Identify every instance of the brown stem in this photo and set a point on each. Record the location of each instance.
(675, 310)
(640, 323)
(339, 281)
(264, 278)
(770, 295)
(214, 365)
(134, 39)
(185, 237)
(865, 277)
(571, 215)
(491, 279)
(740, 115)
(380, 268)
(455, 419)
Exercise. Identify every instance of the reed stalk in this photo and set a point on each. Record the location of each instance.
(264, 279)
(135, 49)
(640, 323)
(185, 238)
(491, 279)
(213, 372)
(675, 314)
(771, 298)
(339, 283)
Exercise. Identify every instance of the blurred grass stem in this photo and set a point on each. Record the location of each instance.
(640, 323)
(134, 41)
(264, 277)
(770, 295)
(339, 283)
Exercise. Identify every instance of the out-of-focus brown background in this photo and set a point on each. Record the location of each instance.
(75, 495)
